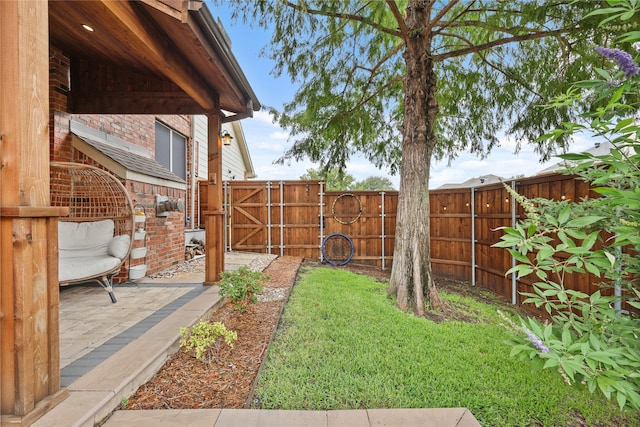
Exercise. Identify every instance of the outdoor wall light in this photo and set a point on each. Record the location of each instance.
(226, 137)
(88, 27)
(444, 207)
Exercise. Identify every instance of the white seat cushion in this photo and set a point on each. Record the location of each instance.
(74, 268)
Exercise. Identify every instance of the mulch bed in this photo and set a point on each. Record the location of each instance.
(185, 382)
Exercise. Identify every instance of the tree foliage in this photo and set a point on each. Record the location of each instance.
(496, 61)
(373, 183)
(334, 178)
(403, 80)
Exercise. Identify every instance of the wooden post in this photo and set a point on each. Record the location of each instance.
(214, 214)
(29, 341)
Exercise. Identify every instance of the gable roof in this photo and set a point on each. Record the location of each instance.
(133, 162)
(474, 182)
(244, 149)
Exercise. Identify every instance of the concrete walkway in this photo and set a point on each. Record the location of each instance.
(109, 350)
(445, 417)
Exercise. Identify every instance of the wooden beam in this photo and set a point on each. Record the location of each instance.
(162, 54)
(29, 361)
(134, 103)
(214, 215)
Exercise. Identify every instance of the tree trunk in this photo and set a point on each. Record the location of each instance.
(411, 278)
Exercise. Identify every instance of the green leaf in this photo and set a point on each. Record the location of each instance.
(631, 36)
(592, 269)
(566, 337)
(604, 74)
(602, 357)
(622, 400)
(584, 221)
(564, 215)
(611, 258)
(576, 156)
(603, 11)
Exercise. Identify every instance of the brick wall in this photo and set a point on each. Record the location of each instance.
(165, 235)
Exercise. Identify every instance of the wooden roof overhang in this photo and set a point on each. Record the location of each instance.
(149, 57)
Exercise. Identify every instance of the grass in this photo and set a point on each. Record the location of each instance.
(342, 344)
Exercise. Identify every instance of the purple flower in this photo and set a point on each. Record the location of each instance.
(624, 60)
(537, 342)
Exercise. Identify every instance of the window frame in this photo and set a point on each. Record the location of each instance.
(176, 147)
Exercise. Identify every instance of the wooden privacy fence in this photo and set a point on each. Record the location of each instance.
(465, 223)
(293, 218)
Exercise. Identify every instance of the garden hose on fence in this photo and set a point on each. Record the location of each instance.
(337, 249)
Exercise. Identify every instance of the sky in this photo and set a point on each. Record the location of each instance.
(268, 142)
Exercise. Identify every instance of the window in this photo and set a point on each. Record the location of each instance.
(171, 150)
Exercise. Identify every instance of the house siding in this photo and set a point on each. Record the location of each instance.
(233, 166)
(200, 133)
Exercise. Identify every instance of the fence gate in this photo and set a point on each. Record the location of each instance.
(247, 218)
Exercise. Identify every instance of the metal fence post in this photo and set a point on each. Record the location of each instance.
(321, 218)
(473, 236)
(383, 235)
(514, 282)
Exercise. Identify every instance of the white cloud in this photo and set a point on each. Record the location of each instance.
(263, 117)
(284, 172)
(281, 135)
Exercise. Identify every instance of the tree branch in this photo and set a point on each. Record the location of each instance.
(499, 42)
(440, 14)
(365, 100)
(508, 75)
(399, 18)
(346, 16)
(495, 67)
(455, 19)
(375, 68)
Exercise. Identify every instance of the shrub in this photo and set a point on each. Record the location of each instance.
(591, 339)
(242, 286)
(203, 337)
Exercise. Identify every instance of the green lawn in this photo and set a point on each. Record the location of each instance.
(342, 344)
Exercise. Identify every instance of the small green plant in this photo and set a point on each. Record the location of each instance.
(242, 286)
(124, 403)
(203, 337)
